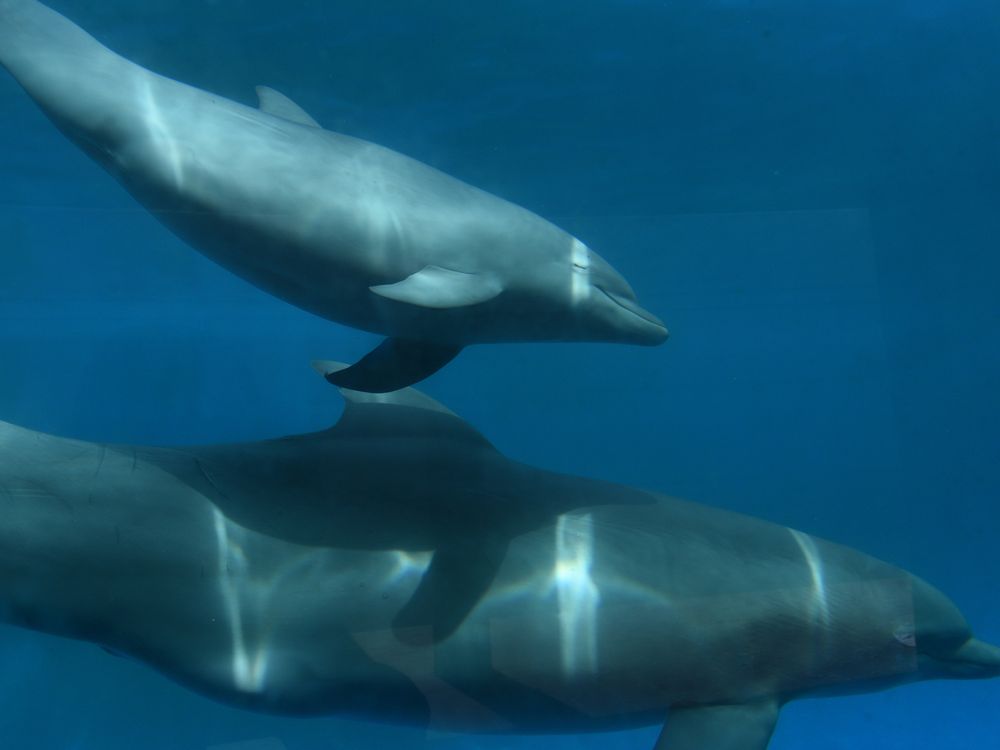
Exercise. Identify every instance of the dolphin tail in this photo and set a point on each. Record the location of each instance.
(70, 75)
(394, 364)
(465, 564)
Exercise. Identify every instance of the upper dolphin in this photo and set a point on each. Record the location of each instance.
(398, 567)
(341, 227)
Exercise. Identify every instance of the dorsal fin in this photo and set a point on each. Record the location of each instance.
(277, 104)
(371, 414)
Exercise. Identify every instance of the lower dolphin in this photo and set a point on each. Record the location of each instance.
(260, 574)
(344, 228)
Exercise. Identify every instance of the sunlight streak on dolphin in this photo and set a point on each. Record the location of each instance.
(580, 279)
(577, 593)
(158, 129)
(249, 666)
(406, 564)
(820, 605)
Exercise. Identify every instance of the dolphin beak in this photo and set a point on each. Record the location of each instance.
(974, 659)
(647, 329)
(977, 658)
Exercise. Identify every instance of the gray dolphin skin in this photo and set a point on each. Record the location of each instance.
(338, 226)
(396, 567)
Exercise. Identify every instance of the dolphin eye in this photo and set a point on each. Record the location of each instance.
(580, 266)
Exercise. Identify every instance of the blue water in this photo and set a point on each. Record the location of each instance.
(806, 192)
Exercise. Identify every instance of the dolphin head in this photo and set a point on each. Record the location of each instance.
(605, 305)
(945, 645)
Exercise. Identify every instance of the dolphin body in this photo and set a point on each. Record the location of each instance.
(343, 228)
(343, 572)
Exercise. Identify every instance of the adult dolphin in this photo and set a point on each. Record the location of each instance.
(274, 575)
(343, 228)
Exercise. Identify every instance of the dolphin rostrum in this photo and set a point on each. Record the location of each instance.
(341, 227)
(396, 567)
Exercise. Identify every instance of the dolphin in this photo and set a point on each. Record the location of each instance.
(302, 576)
(346, 229)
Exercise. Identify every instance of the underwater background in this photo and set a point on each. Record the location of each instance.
(807, 193)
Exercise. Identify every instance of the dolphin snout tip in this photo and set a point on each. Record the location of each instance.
(653, 332)
(656, 334)
(975, 659)
(638, 325)
(983, 655)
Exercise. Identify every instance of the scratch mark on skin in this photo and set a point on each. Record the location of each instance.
(37, 491)
(97, 472)
(208, 478)
(100, 461)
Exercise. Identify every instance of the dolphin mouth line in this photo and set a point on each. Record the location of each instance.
(633, 308)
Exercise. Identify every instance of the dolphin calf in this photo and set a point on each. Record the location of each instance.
(341, 227)
(319, 574)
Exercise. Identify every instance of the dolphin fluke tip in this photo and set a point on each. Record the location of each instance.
(328, 366)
